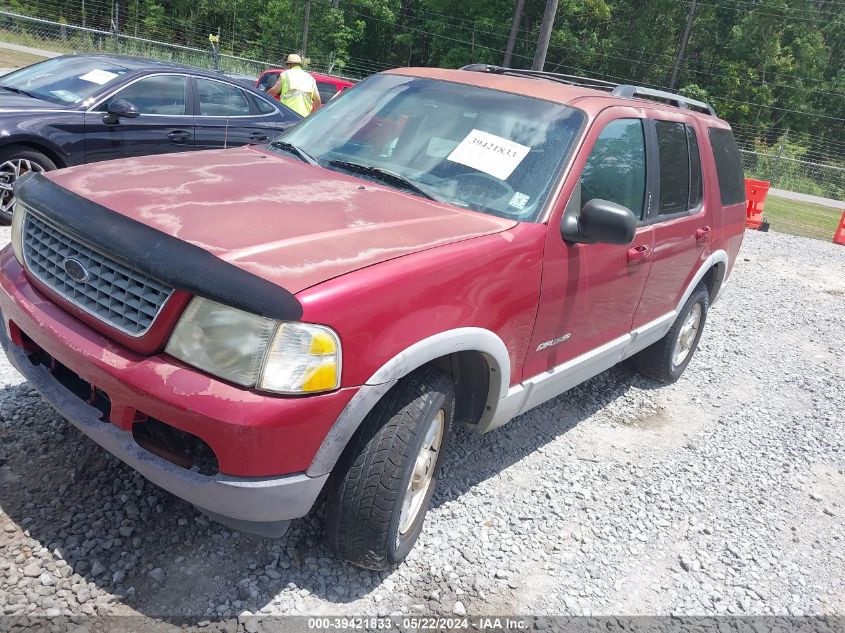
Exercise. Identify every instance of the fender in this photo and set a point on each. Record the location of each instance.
(429, 349)
(40, 144)
(719, 257)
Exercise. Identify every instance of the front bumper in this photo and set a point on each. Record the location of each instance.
(241, 500)
(263, 444)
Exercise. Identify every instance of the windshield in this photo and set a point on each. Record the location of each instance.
(64, 80)
(476, 148)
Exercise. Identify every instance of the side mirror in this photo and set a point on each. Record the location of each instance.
(120, 108)
(599, 221)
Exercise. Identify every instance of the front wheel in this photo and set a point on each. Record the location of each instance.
(382, 485)
(15, 161)
(667, 359)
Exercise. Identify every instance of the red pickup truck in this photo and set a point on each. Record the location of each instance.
(249, 327)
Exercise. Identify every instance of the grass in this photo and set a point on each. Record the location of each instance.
(27, 39)
(801, 218)
(76, 43)
(14, 59)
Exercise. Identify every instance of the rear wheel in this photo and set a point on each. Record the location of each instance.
(667, 359)
(382, 485)
(15, 161)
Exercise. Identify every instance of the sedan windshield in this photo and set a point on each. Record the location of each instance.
(479, 149)
(63, 80)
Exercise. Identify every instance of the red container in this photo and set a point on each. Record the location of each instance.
(755, 194)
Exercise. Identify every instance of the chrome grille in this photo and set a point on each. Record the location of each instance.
(117, 295)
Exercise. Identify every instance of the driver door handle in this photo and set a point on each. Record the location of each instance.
(638, 254)
(179, 136)
(258, 137)
(702, 233)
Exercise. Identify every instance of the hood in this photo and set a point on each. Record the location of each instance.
(17, 102)
(284, 220)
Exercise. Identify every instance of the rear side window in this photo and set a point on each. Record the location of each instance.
(219, 99)
(615, 170)
(728, 166)
(268, 81)
(694, 168)
(680, 167)
(262, 106)
(674, 167)
(326, 90)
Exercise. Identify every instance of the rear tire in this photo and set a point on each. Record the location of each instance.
(667, 359)
(381, 487)
(16, 160)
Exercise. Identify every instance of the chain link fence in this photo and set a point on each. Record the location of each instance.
(817, 179)
(70, 38)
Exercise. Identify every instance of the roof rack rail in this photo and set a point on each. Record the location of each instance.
(680, 101)
(617, 90)
(572, 80)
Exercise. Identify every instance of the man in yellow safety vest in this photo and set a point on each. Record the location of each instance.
(296, 88)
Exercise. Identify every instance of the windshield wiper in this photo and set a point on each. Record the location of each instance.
(384, 175)
(293, 149)
(21, 91)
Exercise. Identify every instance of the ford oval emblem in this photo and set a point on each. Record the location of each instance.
(75, 270)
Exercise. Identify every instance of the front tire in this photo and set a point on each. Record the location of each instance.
(382, 485)
(667, 359)
(15, 161)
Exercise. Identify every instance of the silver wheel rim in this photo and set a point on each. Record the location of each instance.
(10, 171)
(423, 473)
(686, 337)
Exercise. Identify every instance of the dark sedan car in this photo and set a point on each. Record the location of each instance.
(84, 108)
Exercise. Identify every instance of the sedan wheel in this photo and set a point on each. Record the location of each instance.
(14, 163)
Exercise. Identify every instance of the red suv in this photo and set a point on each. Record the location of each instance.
(439, 247)
(327, 85)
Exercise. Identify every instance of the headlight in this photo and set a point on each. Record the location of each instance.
(250, 350)
(18, 216)
(303, 358)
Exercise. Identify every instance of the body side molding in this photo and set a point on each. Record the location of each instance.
(538, 389)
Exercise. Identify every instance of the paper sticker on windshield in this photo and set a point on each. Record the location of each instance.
(98, 76)
(489, 153)
(65, 95)
(519, 200)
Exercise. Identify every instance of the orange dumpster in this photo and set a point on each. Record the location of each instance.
(839, 236)
(755, 193)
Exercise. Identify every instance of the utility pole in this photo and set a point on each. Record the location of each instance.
(234, 22)
(305, 26)
(545, 35)
(115, 24)
(517, 20)
(673, 82)
(779, 157)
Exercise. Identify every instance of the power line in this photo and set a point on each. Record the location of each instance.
(755, 5)
(773, 15)
(704, 72)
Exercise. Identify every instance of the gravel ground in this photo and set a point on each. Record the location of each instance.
(719, 494)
